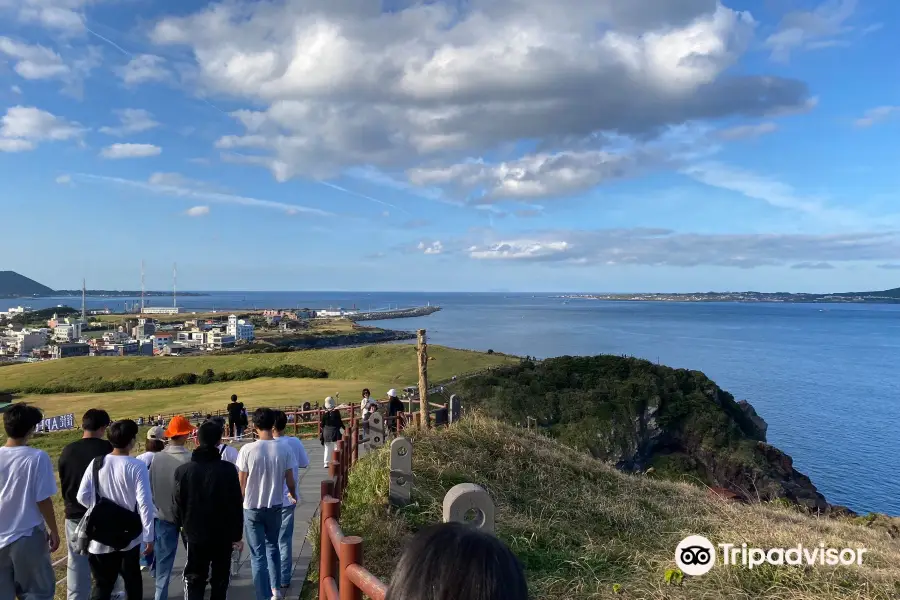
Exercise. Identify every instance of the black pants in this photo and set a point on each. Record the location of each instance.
(200, 557)
(106, 569)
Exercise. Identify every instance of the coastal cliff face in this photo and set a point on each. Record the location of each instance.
(642, 417)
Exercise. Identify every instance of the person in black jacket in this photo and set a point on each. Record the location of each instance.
(330, 428)
(235, 417)
(208, 508)
(395, 410)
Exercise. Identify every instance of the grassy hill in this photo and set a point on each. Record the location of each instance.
(580, 527)
(395, 364)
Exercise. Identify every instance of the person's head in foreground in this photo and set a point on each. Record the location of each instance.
(366, 393)
(209, 434)
(122, 435)
(329, 403)
(264, 419)
(20, 421)
(453, 561)
(179, 430)
(280, 421)
(392, 393)
(95, 421)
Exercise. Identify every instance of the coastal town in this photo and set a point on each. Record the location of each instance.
(62, 332)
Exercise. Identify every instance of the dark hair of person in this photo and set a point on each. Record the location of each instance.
(121, 433)
(20, 418)
(280, 420)
(366, 391)
(95, 419)
(264, 418)
(433, 560)
(155, 445)
(234, 397)
(208, 416)
(209, 434)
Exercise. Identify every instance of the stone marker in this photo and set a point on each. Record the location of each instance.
(400, 493)
(470, 504)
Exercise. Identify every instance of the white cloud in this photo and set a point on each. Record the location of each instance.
(342, 84)
(131, 120)
(64, 180)
(23, 127)
(61, 17)
(189, 193)
(747, 131)
(662, 247)
(435, 247)
(812, 30)
(197, 211)
(34, 62)
(16, 90)
(876, 115)
(144, 68)
(130, 151)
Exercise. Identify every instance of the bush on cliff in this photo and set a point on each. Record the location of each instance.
(581, 527)
(637, 415)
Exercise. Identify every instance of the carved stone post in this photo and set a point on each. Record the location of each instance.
(470, 504)
(455, 409)
(400, 492)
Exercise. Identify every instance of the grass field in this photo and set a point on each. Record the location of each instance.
(394, 364)
(583, 530)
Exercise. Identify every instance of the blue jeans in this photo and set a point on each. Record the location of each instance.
(285, 542)
(261, 528)
(164, 548)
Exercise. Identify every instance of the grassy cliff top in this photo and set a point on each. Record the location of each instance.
(394, 363)
(580, 527)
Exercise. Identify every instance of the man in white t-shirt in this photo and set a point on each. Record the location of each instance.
(124, 480)
(286, 534)
(27, 486)
(264, 467)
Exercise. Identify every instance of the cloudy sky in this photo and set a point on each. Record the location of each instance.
(573, 145)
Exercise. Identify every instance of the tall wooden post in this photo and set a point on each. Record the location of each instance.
(423, 377)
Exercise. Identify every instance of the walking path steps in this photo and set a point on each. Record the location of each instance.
(241, 587)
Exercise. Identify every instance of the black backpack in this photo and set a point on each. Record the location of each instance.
(108, 523)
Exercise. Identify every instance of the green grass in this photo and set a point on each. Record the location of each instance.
(395, 363)
(580, 527)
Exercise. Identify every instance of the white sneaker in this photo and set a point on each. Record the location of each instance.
(276, 594)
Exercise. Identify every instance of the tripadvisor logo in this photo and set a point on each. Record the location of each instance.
(696, 555)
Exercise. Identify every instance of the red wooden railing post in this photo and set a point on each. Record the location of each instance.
(296, 418)
(330, 509)
(350, 554)
(354, 433)
(337, 464)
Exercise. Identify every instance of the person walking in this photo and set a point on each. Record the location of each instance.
(124, 480)
(367, 401)
(156, 442)
(207, 506)
(28, 531)
(330, 429)
(288, 508)
(264, 467)
(73, 462)
(162, 482)
(395, 410)
(228, 453)
(235, 416)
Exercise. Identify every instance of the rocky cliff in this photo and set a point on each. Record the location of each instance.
(642, 417)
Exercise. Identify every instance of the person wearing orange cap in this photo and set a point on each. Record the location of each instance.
(162, 482)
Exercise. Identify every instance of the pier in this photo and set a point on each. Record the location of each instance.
(398, 313)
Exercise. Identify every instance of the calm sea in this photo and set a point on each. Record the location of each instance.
(824, 377)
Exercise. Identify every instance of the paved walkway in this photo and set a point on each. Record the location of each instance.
(241, 587)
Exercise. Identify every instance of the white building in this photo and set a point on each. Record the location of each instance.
(218, 339)
(193, 337)
(160, 341)
(67, 333)
(161, 310)
(240, 329)
(330, 313)
(12, 312)
(27, 340)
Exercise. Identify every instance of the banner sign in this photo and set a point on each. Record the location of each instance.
(59, 423)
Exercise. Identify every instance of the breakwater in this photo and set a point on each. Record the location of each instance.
(400, 313)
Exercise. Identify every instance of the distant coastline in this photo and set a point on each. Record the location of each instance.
(883, 297)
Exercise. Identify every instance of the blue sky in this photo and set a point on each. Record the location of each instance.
(480, 145)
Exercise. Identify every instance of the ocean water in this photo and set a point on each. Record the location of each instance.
(824, 377)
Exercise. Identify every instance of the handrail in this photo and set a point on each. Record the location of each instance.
(342, 575)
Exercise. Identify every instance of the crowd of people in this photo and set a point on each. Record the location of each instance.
(127, 514)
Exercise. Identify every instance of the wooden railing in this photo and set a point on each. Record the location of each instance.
(307, 419)
(341, 572)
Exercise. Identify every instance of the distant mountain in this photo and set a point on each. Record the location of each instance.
(892, 293)
(12, 285)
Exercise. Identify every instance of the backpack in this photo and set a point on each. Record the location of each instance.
(105, 521)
